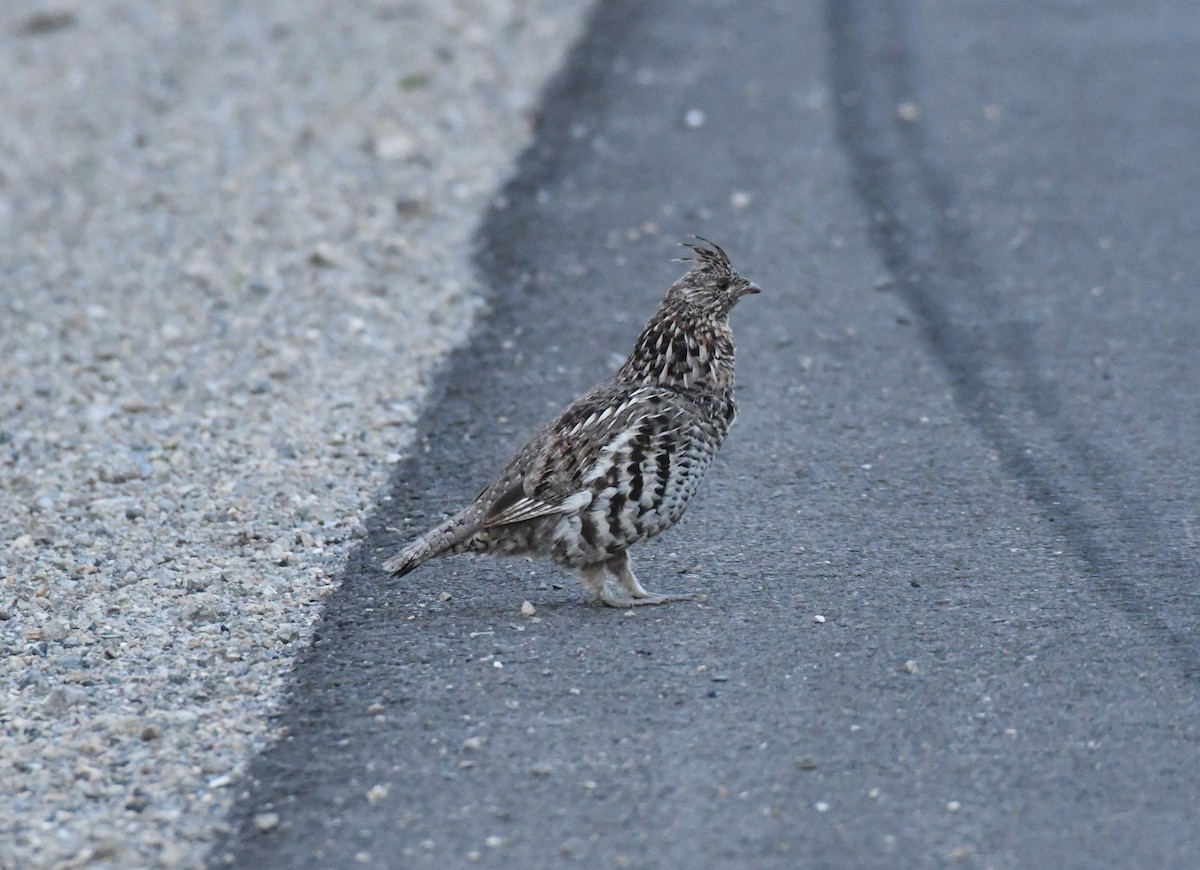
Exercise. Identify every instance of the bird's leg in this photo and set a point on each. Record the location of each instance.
(637, 594)
(619, 566)
(595, 580)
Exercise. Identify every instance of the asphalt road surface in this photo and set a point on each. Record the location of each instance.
(969, 418)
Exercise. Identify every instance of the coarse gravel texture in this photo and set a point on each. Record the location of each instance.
(234, 238)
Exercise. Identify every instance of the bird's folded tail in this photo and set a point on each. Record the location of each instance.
(438, 540)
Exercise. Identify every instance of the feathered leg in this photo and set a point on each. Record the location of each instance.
(620, 568)
(630, 594)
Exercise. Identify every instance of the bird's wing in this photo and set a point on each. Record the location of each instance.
(612, 444)
(650, 441)
(514, 506)
(563, 467)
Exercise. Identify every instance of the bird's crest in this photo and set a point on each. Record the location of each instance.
(708, 258)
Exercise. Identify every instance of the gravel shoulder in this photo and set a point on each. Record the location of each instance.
(235, 241)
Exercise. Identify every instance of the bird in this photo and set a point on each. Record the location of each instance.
(619, 465)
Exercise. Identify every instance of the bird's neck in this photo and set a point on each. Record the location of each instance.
(682, 354)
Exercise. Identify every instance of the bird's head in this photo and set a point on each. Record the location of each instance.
(711, 287)
(687, 344)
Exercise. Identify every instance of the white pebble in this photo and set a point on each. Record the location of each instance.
(377, 793)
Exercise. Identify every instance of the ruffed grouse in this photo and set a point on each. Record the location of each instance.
(620, 464)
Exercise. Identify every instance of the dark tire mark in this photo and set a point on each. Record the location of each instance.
(988, 353)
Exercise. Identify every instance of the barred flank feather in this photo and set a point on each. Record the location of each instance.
(620, 464)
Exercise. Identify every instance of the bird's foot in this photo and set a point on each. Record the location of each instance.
(616, 599)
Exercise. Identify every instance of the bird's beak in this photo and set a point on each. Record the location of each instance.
(751, 288)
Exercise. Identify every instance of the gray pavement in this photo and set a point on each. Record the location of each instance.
(969, 411)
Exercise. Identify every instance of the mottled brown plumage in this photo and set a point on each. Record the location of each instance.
(621, 463)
